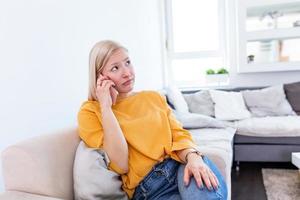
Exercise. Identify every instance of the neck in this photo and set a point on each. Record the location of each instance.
(124, 95)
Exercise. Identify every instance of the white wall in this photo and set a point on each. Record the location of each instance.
(44, 48)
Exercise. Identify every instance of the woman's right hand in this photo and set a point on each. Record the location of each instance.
(105, 92)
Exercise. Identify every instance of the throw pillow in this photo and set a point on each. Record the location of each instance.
(92, 179)
(194, 120)
(292, 91)
(175, 97)
(270, 101)
(229, 105)
(200, 102)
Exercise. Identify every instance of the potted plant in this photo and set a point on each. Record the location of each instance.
(218, 76)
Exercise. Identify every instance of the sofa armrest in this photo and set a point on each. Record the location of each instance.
(42, 165)
(16, 195)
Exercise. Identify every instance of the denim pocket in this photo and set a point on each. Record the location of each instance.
(139, 194)
(161, 177)
(155, 181)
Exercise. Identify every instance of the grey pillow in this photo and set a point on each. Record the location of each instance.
(194, 120)
(270, 101)
(175, 97)
(200, 102)
(292, 91)
(92, 179)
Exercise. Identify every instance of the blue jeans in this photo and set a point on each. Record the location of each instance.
(165, 181)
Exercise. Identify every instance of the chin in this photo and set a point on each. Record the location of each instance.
(125, 90)
(128, 90)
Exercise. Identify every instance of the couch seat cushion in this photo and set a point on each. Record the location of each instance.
(215, 138)
(284, 126)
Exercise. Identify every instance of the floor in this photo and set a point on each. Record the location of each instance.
(247, 183)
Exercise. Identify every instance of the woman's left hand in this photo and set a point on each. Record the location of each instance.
(200, 171)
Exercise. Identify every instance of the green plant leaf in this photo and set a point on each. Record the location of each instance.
(222, 71)
(210, 71)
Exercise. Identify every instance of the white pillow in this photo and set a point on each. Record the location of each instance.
(270, 101)
(229, 105)
(176, 98)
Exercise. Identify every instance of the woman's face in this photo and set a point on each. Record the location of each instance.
(119, 69)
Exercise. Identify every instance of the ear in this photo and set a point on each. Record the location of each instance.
(98, 75)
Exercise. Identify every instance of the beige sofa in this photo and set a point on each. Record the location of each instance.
(41, 168)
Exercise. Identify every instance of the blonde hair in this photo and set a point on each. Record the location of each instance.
(98, 58)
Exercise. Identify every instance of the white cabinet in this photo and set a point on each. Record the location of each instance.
(268, 35)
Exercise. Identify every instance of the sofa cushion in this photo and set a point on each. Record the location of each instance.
(17, 195)
(200, 102)
(269, 126)
(92, 179)
(229, 105)
(269, 101)
(175, 97)
(194, 120)
(292, 91)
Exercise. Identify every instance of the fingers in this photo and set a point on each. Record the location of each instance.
(114, 93)
(100, 79)
(103, 83)
(107, 84)
(186, 176)
(206, 179)
(198, 178)
(105, 91)
(210, 180)
(201, 175)
(213, 180)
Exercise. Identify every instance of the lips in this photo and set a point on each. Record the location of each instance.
(127, 82)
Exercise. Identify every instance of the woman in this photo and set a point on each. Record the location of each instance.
(147, 146)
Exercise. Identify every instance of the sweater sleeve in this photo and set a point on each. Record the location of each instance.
(91, 131)
(89, 126)
(181, 138)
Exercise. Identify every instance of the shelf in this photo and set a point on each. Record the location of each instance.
(246, 8)
(270, 67)
(273, 34)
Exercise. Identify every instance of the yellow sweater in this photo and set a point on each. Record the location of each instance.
(149, 127)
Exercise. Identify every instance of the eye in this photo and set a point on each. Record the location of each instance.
(128, 62)
(114, 68)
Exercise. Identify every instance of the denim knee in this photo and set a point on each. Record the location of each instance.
(193, 192)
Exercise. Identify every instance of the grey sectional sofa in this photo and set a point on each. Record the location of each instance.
(253, 148)
(265, 149)
(269, 149)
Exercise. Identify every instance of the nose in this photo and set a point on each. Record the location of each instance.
(126, 72)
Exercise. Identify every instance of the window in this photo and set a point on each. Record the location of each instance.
(195, 40)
